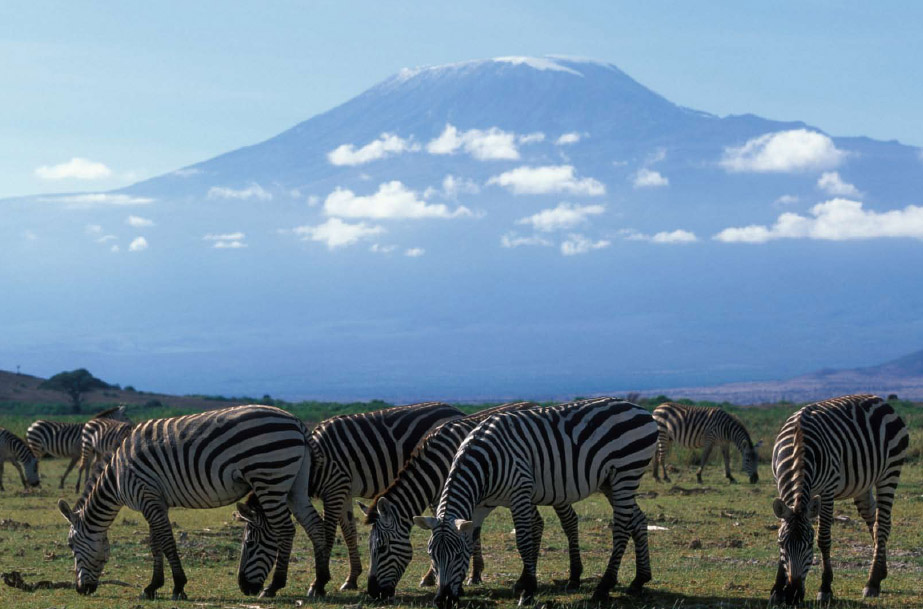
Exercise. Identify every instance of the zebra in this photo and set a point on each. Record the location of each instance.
(356, 455)
(14, 450)
(842, 448)
(101, 435)
(546, 456)
(697, 427)
(417, 487)
(203, 460)
(60, 440)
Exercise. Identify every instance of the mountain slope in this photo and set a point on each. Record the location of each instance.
(511, 227)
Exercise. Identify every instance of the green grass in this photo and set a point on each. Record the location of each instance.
(719, 550)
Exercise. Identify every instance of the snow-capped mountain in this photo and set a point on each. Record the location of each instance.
(526, 227)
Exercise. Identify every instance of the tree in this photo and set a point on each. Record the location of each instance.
(74, 383)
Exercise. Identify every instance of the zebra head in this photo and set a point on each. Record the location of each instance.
(750, 459)
(390, 550)
(796, 544)
(90, 548)
(259, 548)
(30, 467)
(449, 550)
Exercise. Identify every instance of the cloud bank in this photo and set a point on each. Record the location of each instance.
(784, 152)
(77, 168)
(547, 179)
(392, 200)
(564, 216)
(387, 144)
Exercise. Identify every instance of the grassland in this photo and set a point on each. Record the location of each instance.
(718, 548)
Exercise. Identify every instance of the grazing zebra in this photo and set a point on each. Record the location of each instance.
(14, 450)
(101, 435)
(203, 460)
(844, 448)
(545, 456)
(419, 486)
(697, 427)
(356, 455)
(60, 440)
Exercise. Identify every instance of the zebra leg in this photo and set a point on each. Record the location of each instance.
(348, 527)
(22, 475)
(885, 499)
(157, 579)
(67, 471)
(825, 595)
(623, 508)
(726, 454)
(777, 594)
(285, 536)
(655, 463)
(569, 522)
(162, 541)
(334, 503)
(706, 453)
(642, 552)
(477, 559)
(538, 529)
(1, 474)
(523, 520)
(865, 504)
(300, 505)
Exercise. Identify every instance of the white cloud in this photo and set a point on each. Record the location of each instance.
(138, 244)
(187, 172)
(511, 240)
(254, 191)
(226, 240)
(832, 184)
(115, 249)
(77, 168)
(568, 138)
(531, 138)
(138, 221)
(833, 220)
(313, 200)
(382, 249)
(336, 233)
(414, 252)
(387, 144)
(564, 216)
(452, 186)
(229, 245)
(648, 178)
(547, 179)
(784, 151)
(786, 200)
(107, 239)
(94, 199)
(677, 236)
(392, 200)
(579, 244)
(489, 145)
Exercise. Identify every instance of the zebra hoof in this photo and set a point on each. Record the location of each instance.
(777, 597)
(526, 600)
(572, 584)
(267, 593)
(474, 580)
(179, 596)
(871, 592)
(349, 585)
(600, 597)
(824, 597)
(148, 595)
(314, 592)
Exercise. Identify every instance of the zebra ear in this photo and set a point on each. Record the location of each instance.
(66, 511)
(425, 522)
(363, 508)
(814, 507)
(780, 509)
(464, 525)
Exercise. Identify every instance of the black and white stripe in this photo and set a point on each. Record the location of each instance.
(100, 436)
(698, 427)
(14, 450)
(545, 456)
(58, 439)
(843, 448)
(355, 456)
(417, 487)
(203, 460)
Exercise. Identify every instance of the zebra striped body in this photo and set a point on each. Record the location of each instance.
(419, 486)
(697, 427)
(843, 448)
(203, 460)
(100, 436)
(60, 440)
(545, 456)
(14, 450)
(355, 456)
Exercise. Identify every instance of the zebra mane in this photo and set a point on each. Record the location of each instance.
(107, 414)
(95, 474)
(743, 428)
(798, 461)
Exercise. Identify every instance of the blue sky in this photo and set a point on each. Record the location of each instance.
(146, 89)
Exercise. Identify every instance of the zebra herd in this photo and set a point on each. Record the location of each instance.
(408, 458)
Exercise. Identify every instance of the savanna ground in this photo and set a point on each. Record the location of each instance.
(714, 545)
